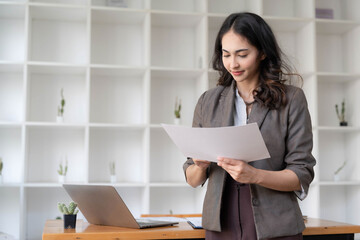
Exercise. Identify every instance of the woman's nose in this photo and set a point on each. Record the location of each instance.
(234, 63)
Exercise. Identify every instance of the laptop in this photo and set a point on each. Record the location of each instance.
(102, 205)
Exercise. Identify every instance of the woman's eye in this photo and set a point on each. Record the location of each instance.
(243, 56)
(226, 56)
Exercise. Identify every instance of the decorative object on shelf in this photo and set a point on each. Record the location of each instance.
(326, 13)
(336, 173)
(117, 3)
(69, 214)
(60, 116)
(112, 172)
(1, 168)
(62, 171)
(341, 115)
(177, 111)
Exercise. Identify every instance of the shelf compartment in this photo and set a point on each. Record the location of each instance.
(58, 34)
(289, 9)
(177, 41)
(344, 56)
(338, 92)
(45, 84)
(12, 33)
(343, 207)
(293, 39)
(334, 149)
(11, 154)
(188, 6)
(342, 9)
(166, 86)
(118, 37)
(47, 147)
(166, 160)
(231, 6)
(125, 147)
(9, 207)
(214, 25)
(117, 96)
(130, 4)
(179, 200)
(11, 93)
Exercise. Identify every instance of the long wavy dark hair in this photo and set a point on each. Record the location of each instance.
(274, 71)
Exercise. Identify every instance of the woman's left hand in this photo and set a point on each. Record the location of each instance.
(239, 170)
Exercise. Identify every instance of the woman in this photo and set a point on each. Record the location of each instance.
(255, 200)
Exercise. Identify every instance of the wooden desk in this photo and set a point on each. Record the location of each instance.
(316, 229)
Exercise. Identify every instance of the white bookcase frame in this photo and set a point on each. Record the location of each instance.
(123, 67)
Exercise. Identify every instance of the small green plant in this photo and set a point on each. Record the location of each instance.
(1, 166)
(112, 168)
(68, 210)
(62, 104)
(63, 169)
(340, 168)
(340, 114)
(177, 107)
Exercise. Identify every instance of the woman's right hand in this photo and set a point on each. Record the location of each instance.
(203, 164)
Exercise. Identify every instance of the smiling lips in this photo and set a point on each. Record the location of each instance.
(237, 73)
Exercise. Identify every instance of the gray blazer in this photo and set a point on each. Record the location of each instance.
(287, 133)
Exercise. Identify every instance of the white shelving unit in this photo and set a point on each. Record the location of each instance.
(122, 67)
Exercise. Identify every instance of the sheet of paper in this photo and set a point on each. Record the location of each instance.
(237, 142)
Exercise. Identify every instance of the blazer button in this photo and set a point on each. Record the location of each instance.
(255, 202)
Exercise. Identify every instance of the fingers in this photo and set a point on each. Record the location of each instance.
(201, 163)
(229, 161)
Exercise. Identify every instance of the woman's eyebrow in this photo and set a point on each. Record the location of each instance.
(237, 51)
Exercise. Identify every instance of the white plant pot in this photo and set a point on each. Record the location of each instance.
(113, 178)
(1, 179)
(177, 121)
(61, 178)
(336, 177)
(59, 119)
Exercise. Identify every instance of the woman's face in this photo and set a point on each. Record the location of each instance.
(240, 58)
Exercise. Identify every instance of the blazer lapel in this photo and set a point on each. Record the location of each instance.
(258, 114)
(227, 105)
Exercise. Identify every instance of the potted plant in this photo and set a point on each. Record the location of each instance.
(60, 115)
(62, 171)
(69, 213)
(177, 111)
(336, 173)
(341, 115)
(1, 168)
(112, 172)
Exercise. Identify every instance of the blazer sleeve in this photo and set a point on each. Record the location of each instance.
(197, 122)
(299, 142)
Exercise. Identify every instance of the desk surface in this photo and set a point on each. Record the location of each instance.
(54, 231)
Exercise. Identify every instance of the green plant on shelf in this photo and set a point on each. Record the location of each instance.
(177, 107)
(63, 169)
(1, 166)
(68, 210)
(341, 114)
(340, 168)
(62, 104)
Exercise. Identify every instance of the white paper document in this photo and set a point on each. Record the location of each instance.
(238, 142)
